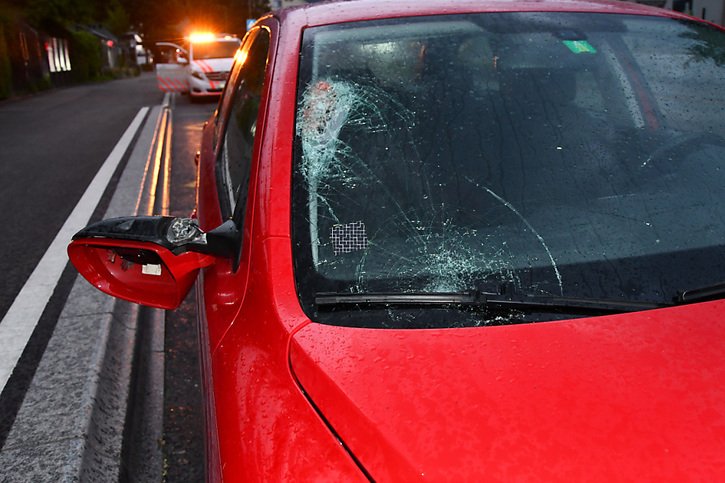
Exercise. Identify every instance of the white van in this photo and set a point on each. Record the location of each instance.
(202, 70)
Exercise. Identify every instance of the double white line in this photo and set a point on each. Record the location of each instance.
(21, 319)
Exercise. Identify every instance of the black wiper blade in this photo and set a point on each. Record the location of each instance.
(701, 294)
(571, 305)
(486, 301)
(441, 298)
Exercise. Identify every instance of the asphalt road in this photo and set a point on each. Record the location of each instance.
(183, 416)
(53, 145)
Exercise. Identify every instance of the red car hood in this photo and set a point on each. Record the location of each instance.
(627, 397)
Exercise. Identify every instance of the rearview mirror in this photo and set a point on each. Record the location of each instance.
(150, 260)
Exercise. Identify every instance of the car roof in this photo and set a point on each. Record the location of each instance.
(336, 11)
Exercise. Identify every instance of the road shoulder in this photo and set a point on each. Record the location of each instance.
(74, 419)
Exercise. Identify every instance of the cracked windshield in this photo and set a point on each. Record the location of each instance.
(518, 156)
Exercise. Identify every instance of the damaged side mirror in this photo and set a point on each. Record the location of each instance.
(150, 260)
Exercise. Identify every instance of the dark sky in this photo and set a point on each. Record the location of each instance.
(171, 18)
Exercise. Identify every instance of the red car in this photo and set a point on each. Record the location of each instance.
(470, 240)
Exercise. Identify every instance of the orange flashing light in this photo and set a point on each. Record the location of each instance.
(200, 37)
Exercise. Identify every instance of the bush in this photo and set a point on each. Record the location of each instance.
(86, 56)
(41, 84)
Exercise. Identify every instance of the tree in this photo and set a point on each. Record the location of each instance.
(117, 19)
(55, 15)
(167, 19)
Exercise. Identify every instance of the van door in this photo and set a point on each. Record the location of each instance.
(171, 62)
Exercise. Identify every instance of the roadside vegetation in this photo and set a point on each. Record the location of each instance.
(50, 43)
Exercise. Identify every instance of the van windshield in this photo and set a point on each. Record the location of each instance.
(529, 154)
(214, 50)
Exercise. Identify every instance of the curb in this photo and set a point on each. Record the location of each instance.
(94, 409)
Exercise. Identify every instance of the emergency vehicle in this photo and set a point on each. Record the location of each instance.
(201, 70)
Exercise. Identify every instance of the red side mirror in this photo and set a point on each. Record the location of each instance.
(150, 260)
(141, 272)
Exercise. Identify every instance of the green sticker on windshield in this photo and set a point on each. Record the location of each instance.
(580, 46)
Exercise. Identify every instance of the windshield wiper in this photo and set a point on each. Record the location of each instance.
(485, 301)
(701, 294)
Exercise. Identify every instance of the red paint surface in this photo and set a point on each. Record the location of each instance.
(622, 397)
(628, 397)
(99, 263)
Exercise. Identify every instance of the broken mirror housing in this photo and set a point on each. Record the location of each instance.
(175, 234)
(151, 260)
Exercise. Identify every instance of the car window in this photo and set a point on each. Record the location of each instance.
(517, 154)
(214, 50)
(697, 59)
(227, 95)
(237, 144)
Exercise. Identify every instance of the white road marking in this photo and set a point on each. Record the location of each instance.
(20, 320)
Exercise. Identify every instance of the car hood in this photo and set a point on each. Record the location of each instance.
(633, 396)
(213, 65)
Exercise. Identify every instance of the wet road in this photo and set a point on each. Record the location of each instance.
(53, 145)
(183, 444)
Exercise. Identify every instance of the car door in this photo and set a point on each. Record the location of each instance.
(171, 67)
(234, 145)
(230, 150)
